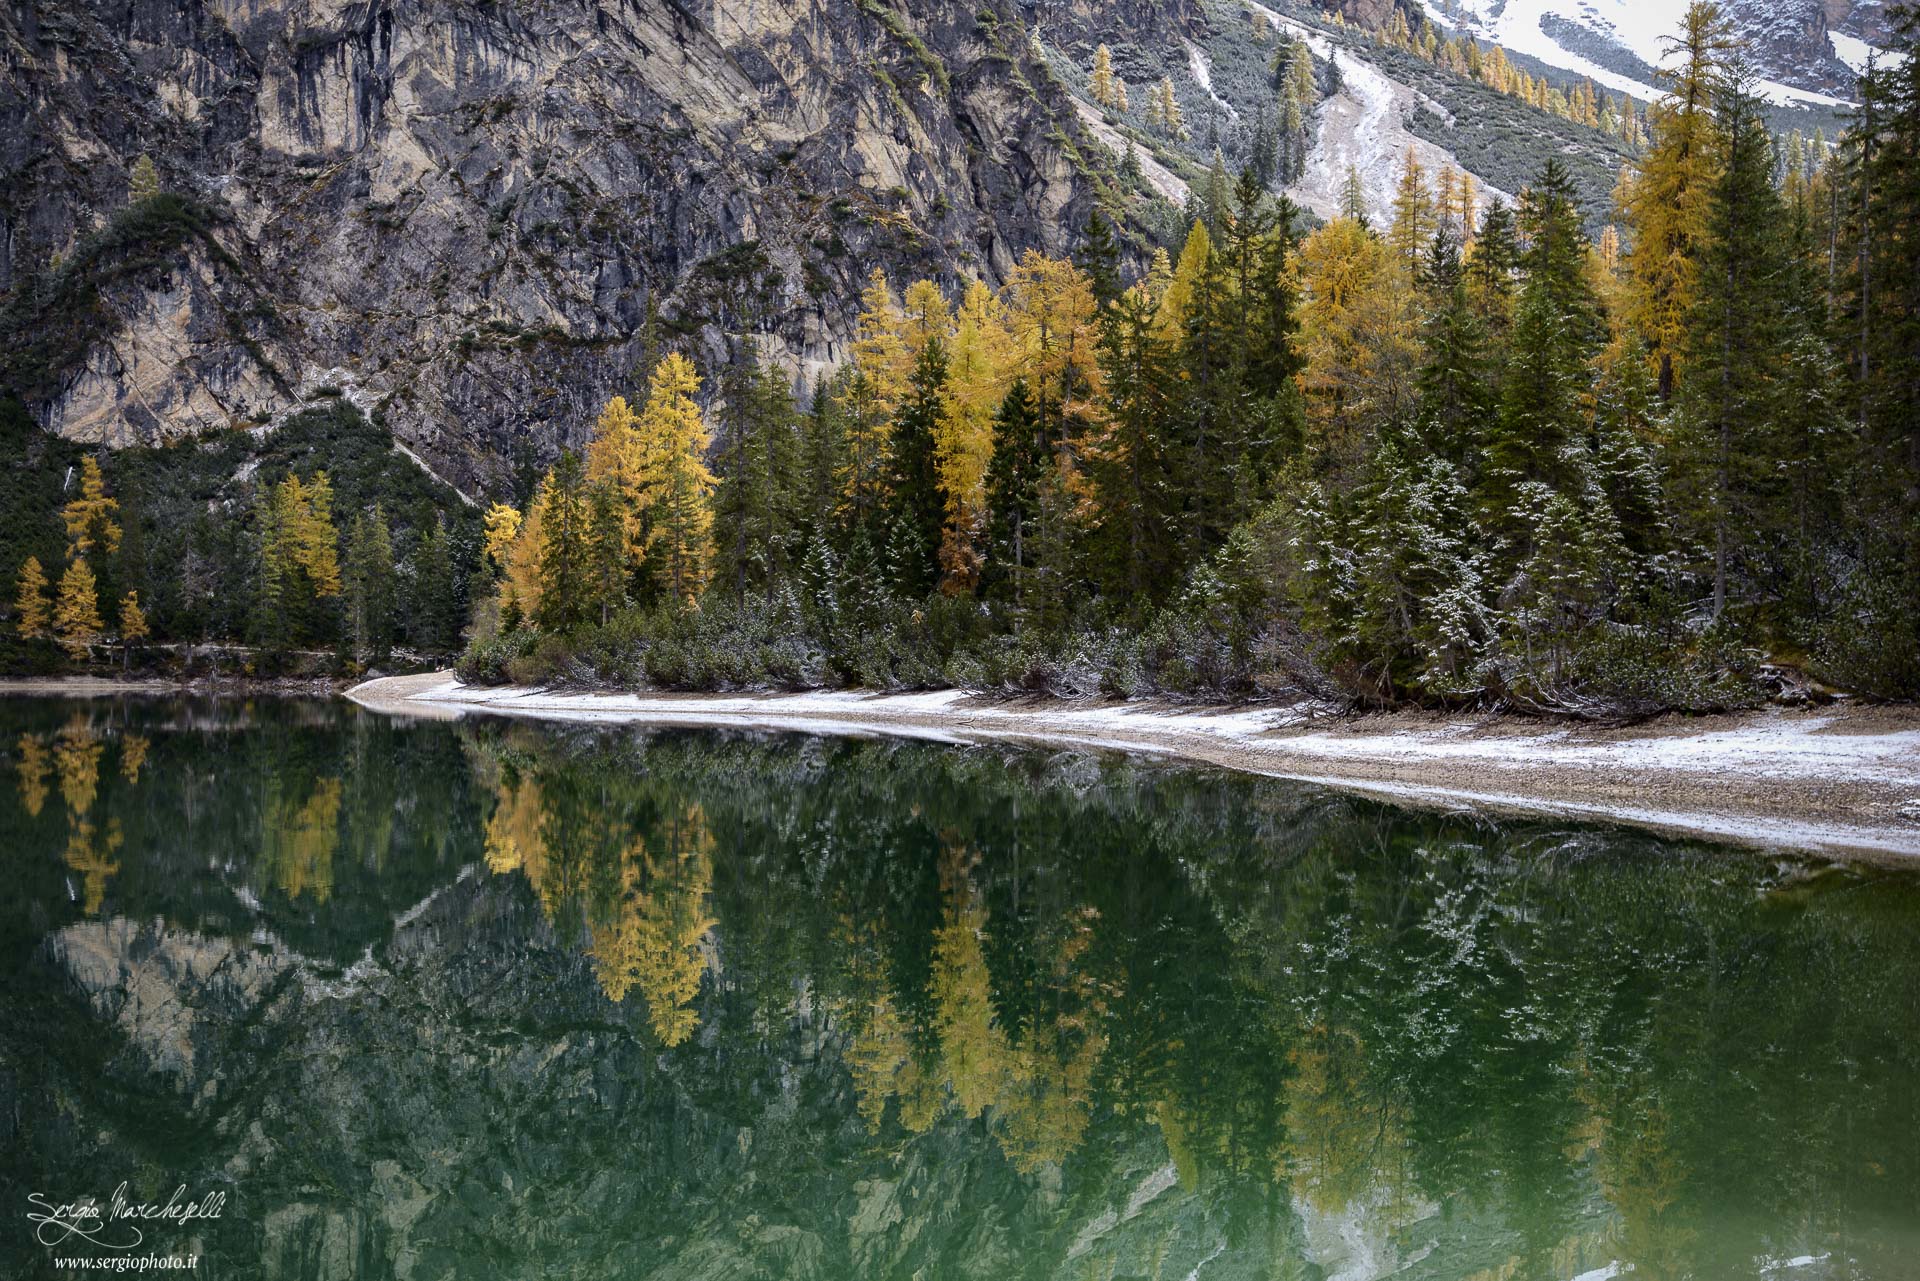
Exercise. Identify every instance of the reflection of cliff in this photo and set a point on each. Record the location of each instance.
(981, 1016)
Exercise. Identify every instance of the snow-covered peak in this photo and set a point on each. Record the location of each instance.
(1619, 43)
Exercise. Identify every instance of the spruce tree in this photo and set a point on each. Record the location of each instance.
(1134, 469)
(1556, 331)
(916, 505)
(369, 586)
(1014, 478)
(1456, 399)
(566, 596)
(434, 622)
(1735, 338)
(1099, 257)
(757, 505)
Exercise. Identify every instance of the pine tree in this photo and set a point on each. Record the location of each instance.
(33, 613)
(76, 615)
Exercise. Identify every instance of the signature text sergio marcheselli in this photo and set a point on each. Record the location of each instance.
(115, 1225)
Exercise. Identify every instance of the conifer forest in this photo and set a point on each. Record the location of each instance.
(1661, 453)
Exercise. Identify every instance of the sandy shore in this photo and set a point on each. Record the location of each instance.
(1838, 779)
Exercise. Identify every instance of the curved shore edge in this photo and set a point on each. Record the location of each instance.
(1841, 780)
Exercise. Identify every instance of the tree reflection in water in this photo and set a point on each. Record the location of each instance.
(968, 1012)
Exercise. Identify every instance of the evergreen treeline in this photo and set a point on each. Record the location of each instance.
(1470, 455)
(316, 536)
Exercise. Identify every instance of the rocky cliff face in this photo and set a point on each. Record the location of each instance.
(464, 214)
(1792, 40)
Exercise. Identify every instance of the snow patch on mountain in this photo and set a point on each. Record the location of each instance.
(1363, 127)
(1639, 28)
(1202, 72)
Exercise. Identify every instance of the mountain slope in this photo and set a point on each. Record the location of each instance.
(462, 215)
(1620, 42)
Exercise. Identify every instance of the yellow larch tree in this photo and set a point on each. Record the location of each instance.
(973, 1045)
(873, 394)
(923, 316)
(33, 613)
(89, 518)
(1177, 299)
(133, 755)
(1102, 80)
(1413, 221)
(1667, 200)
(93, 860)
(133, 624)
(520, 585)
(299, 833)
(618, 455)
(678, 486)
(76, 617)
(979, 360)
(1358, 331)
(1052, 315)
(76, 758)
(502, 523)
(673, 921)
(317, 541)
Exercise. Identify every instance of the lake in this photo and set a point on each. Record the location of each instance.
(496, 999)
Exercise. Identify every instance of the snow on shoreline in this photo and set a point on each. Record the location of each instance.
(1566, 772)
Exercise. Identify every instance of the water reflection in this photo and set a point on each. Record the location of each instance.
(607, 1003)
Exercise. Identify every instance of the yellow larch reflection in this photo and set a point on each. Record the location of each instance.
(93, 860)
(298, 838)
(35, 763)
(652, 937)
(76, 757)
(133, 755)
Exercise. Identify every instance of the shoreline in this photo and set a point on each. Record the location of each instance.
(1838, 780)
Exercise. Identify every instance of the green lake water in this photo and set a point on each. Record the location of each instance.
(495, 999)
